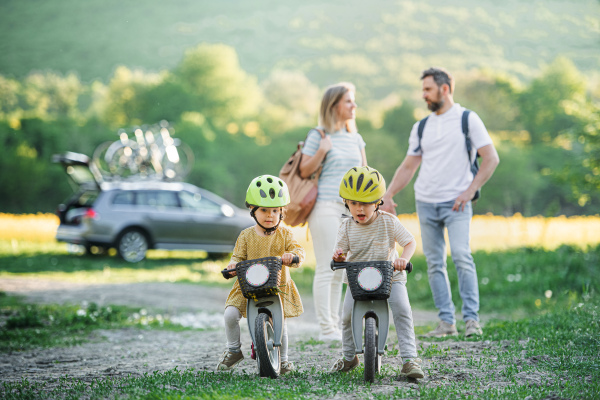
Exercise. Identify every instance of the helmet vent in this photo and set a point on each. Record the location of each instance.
(280, 193)
(368, 185)
(280, 184)
(350, 182)
(272, 193)
(270, 180)
(359, 181)
(345, 183)
(374, 187)
(263, 194)
(258, 184)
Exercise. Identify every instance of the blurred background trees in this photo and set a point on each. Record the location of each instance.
(242, 107)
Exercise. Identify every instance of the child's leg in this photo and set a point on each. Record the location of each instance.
(348, 348)
(232, 329)
(400, 306)
(283, 351)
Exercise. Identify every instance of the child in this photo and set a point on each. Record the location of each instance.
(266, 197)
(371, 235)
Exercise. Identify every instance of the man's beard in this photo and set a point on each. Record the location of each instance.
(435, 105)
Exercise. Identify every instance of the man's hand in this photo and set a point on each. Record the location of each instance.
(462, 200)
(339, 256)
(388, 205)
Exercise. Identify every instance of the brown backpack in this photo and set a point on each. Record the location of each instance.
(303, 191)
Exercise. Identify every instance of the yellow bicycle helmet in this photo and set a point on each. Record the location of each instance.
(364, 184)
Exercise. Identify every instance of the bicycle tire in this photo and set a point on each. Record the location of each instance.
(268, 356)
(371, 359)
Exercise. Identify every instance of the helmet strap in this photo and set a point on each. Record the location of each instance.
(268, 231)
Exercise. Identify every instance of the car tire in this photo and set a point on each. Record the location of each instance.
(132, 245)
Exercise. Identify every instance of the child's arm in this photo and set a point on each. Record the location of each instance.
(292, 249)
(407, 253)
(342, 245)
(240, 253)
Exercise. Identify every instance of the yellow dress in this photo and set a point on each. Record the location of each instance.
(250, 245)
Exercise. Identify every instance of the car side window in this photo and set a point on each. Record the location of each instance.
(158, 199)
(124, 198)
(197, 202)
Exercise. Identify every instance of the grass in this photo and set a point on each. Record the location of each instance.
(554, 355)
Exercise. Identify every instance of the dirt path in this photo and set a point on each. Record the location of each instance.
(136, 351)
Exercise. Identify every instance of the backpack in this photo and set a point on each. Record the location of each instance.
(465, 128)
(303, 191)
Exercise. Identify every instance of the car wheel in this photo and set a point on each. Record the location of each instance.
(132, 245)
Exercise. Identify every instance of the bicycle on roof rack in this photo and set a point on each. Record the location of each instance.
(152, 153)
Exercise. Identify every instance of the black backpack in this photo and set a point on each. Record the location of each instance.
(465, 128)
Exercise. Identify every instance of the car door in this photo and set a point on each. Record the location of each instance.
(162, 215)
(210, 224)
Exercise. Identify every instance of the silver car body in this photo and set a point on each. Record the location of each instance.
(170, 215)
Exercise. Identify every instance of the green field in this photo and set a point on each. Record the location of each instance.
(545, 327)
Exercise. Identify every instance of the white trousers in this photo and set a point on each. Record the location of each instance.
(232, 331)
(323, 222)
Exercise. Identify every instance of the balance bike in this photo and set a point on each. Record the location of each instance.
(370, 285)
(259, 280)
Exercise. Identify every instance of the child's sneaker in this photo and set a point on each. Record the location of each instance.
(229, 360)
(286, 367)
(412, 369)
(342, 365)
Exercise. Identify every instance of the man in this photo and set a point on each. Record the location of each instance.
(444, 189)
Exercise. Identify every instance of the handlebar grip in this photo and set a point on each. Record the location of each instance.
(295, 260)
(409, 268)
(334, 265)
(226, 273)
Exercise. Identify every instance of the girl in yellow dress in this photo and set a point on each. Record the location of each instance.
(267, 197)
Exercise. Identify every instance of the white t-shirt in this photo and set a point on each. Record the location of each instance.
(445, 172)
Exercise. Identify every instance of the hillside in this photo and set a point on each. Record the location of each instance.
(381, 45)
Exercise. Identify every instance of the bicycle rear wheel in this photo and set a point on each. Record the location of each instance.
(371, 358)
(268, 356)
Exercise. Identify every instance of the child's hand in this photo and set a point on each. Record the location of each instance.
(339, 256)
(232, 267)
(286, 258)
(400, 264)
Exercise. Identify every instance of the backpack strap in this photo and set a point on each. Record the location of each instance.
(420, 131)
(465, 129)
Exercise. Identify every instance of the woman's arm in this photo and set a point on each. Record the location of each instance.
(309, 164)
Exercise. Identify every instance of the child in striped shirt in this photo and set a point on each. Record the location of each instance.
(371, 235)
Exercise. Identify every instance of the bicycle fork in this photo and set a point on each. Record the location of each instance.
(370, 308)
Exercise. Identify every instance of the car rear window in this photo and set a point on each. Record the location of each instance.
(197, 202)
(86, 199)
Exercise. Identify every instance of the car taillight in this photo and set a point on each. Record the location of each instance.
(90, 213)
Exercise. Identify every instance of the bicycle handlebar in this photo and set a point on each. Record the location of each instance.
(227, 272)
(335, 265)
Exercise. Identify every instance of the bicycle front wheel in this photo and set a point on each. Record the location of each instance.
(371, 358)
(269, 360)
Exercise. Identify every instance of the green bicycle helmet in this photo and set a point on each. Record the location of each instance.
(364, 184)
(267, 191)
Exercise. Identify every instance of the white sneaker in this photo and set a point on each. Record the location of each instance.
(330, 337)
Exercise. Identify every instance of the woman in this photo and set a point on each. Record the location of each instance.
(341, 149)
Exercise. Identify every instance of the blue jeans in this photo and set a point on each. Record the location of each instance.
(434, 218)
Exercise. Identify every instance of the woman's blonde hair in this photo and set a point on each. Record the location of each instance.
(331, 98)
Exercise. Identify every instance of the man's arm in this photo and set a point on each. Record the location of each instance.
(402, 177)
(489, 162)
